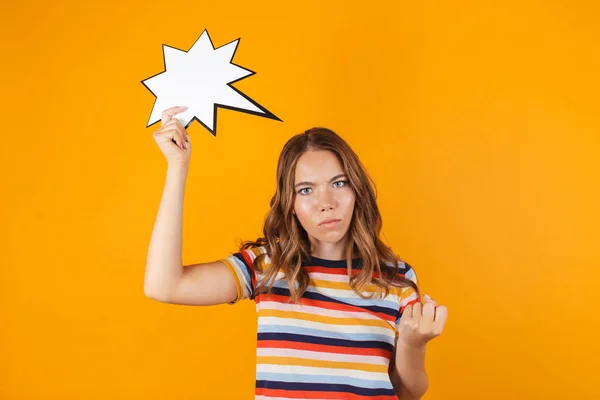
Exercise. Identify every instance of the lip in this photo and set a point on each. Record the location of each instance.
(329, 222)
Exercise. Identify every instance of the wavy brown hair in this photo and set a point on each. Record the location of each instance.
(287, 242)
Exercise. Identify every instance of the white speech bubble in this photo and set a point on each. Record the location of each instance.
(201, 79)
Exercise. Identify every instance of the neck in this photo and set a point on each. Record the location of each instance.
(329, 251)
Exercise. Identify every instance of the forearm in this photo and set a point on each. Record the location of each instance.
(408, 374)
(164, 261)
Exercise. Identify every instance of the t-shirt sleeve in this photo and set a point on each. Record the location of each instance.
(408, 295)
(241, 266)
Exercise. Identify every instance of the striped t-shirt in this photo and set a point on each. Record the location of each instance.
(334, 344)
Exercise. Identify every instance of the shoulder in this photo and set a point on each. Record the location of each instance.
(408, 272)
(405, 271)
(255, 251)
(251, 254)
(404, 268)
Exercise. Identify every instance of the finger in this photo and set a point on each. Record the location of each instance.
(171, 122)
(441, 315)
(169, 113)
(181, 142)
(428, 299)
(174, 135)
(428, 311)
(176, 123)
(182, 135)
(175, 130)
(416, 312)
(407, 313)
(169, 131)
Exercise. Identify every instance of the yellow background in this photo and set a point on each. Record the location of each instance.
(478, 120)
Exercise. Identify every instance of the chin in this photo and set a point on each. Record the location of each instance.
(328, 240)
(332, 237)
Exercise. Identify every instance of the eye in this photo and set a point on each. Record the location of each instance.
(303, 193)
(343, 183)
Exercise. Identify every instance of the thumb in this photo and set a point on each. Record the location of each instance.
(169, 113)
(428, 299)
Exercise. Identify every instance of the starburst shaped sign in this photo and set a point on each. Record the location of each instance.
(201, 79)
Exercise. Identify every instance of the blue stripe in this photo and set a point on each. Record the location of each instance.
(360, 301)
(317, 296)
(355, 301)
(321, 333)
(238, 261)
(324, 387)
(320, 262)
(329, 379)
(365, 344)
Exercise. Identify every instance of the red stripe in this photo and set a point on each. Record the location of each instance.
(408, 304)
(301, 394)
(286, 344)
(325, 270)
(324, 304)
(249, 264)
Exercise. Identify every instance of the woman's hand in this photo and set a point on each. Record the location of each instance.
(421, 322)
(172, 138)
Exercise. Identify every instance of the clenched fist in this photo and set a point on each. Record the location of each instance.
(421, 322)
(172, 138)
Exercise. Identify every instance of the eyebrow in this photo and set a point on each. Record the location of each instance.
(310, 183)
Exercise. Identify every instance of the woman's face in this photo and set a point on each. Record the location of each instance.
(323, 193)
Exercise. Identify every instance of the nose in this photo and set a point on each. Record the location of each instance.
(326, 201)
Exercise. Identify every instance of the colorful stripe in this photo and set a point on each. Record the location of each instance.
(333, 344)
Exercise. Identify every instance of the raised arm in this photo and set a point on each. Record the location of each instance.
(166, 279)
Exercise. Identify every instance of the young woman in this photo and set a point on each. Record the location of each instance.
(339, 315)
